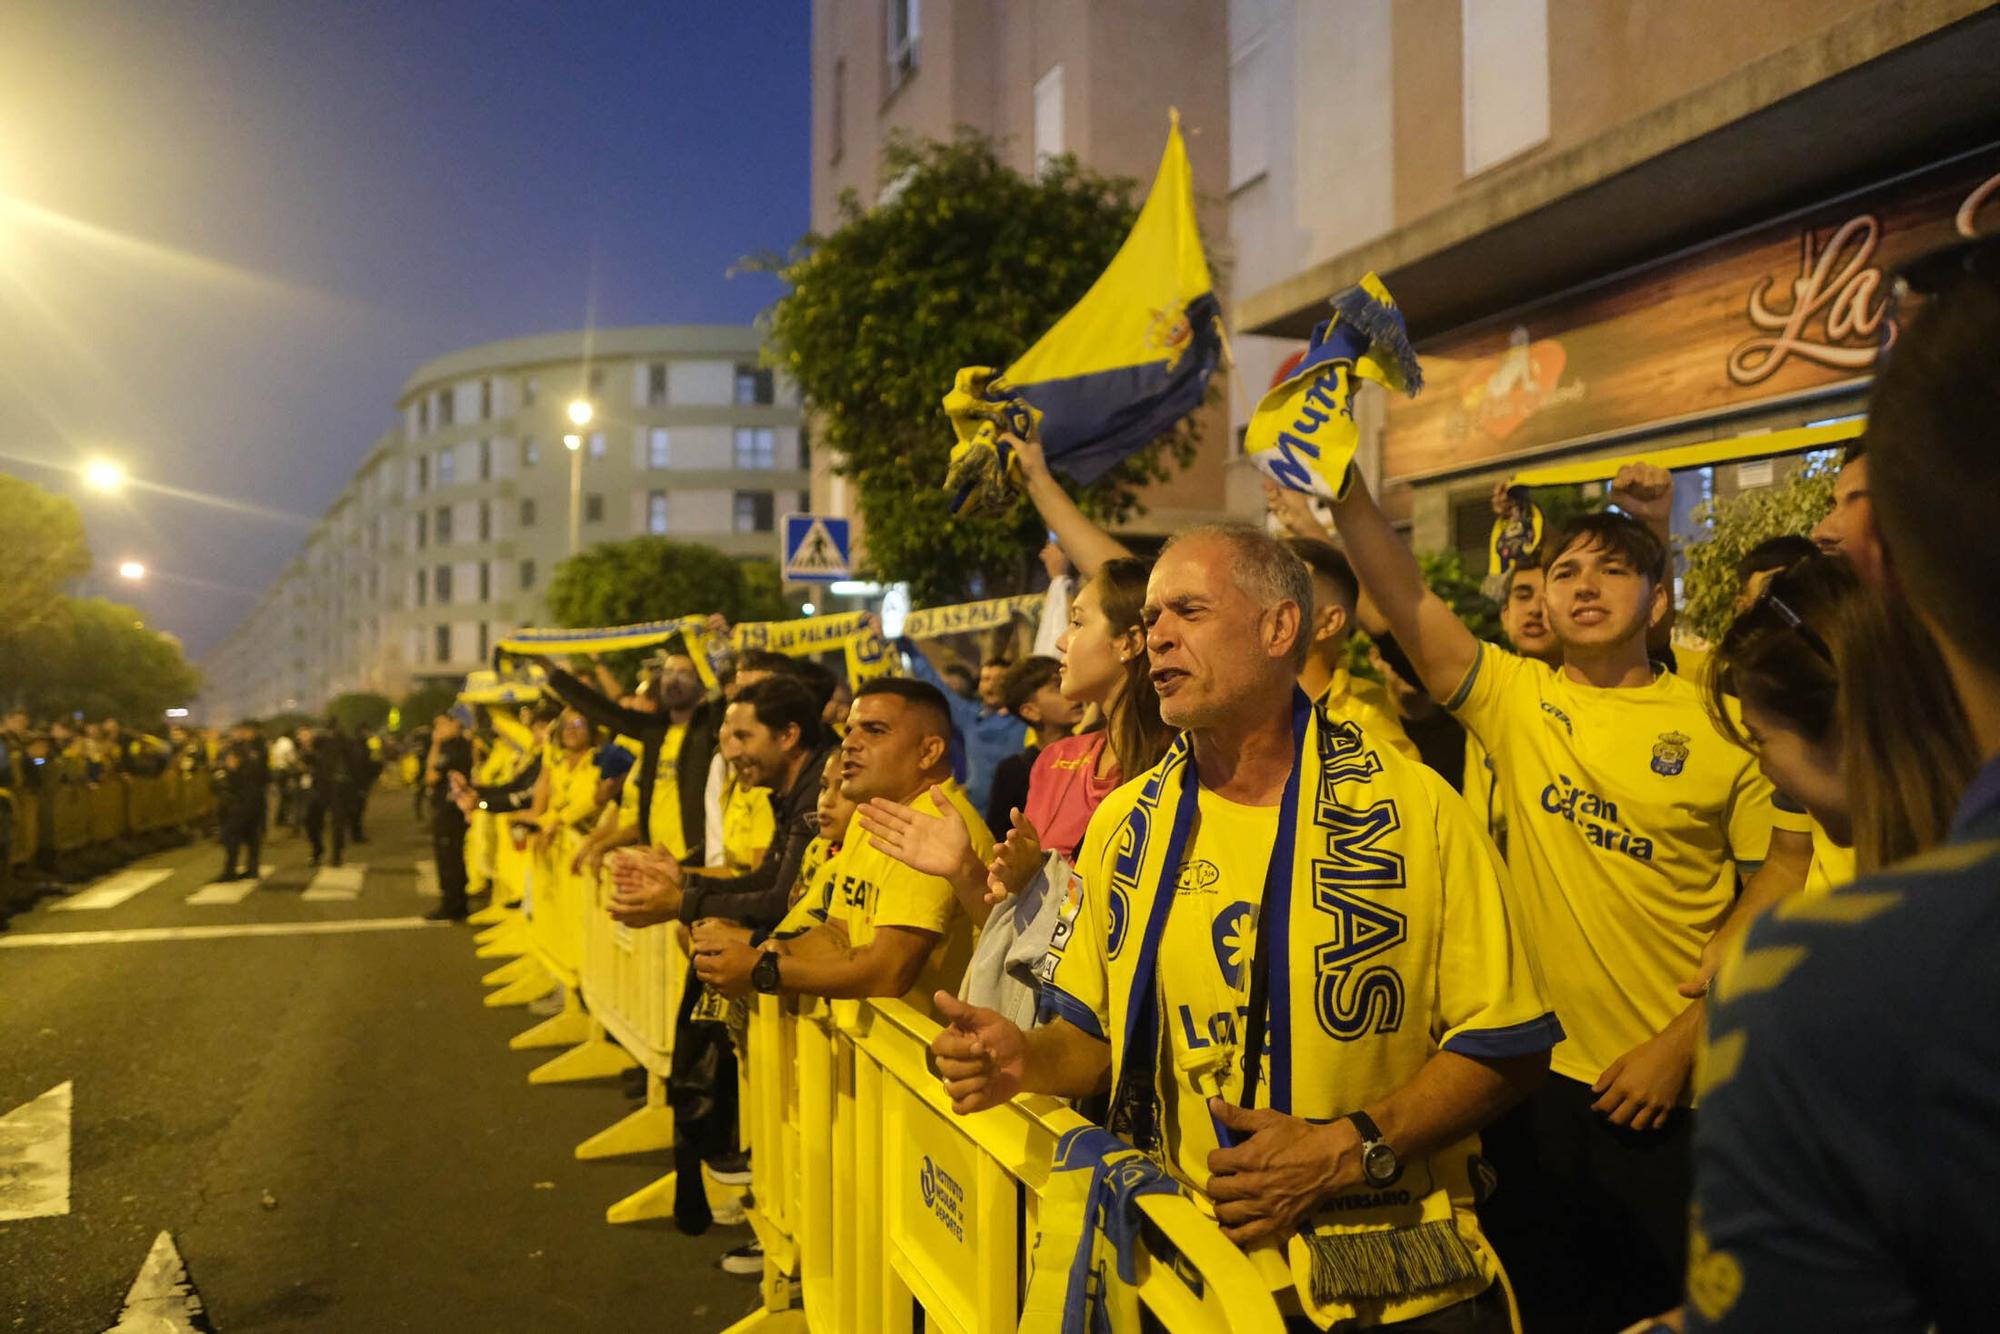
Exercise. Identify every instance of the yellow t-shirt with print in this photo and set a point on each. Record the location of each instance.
(748, 825)
(1465, 977)
(871, 889)
(1832, 865)
(664, 824)
(1627, 816)
(1360, 701)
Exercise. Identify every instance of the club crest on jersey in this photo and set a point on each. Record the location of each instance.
(1670, 754)
(1235, 939)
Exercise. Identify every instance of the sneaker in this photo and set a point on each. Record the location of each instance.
(547, 1005)
(730, 1170)
(730, 1212)
(745, 1259)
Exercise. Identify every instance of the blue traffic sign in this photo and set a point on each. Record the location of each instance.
(817, 548)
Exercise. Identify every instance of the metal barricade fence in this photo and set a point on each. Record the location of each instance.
(107, 809)
(881, 1210)
(25, 810)
(632, 980)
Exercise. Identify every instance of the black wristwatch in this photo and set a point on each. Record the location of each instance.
(764, 974)
(1379, 1165)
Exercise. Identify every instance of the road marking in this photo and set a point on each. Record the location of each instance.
(111, 892)
(34, 1156)
(427, 879)
(229, 891)
(44, 939)
(162, 1300)
(335, 884)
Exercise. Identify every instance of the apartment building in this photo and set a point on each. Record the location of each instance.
(449, 531)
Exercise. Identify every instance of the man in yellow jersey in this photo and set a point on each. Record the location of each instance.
(1629, 813)
(773, 729)
(1325, 677)
(891, 931)
(1293, 963)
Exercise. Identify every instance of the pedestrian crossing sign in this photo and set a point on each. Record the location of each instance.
(816, 548)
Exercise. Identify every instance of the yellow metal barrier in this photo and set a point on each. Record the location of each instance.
(107, 809)
(879, 1210)
(69, 812)
(26, 813)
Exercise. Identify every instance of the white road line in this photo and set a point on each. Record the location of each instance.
(34, 1156)
(44, 939)
(229, 891)
(335, 884)
(427, 879)
(112, 891)
(162, 1299)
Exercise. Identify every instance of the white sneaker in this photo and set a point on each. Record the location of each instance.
(745, 1259)
(730, 1212)
(549, 1004)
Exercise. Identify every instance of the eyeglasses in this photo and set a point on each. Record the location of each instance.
(1772, 602)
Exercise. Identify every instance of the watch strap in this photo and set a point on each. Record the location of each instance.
(1370, 1132)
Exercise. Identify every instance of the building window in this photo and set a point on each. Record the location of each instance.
(596, 381)
(659, 448)
(753, 511)
(485, 460)
(902, 31)
(527, 511)
(756, 447)
(593, 508)
(423, 529)
(527, 575)
(485, 587)
(1506, 77)
(447, 467)
(596, 444)
(423, 415)
(530, 386)
(753, 386)
(1048, 117)
(441, 584)
(424, 473)
(447, 405)
(656, 512)
(443, 524)
(486, 521)
(423, 589)
(656, 384)
(531, 452)
(441, 642)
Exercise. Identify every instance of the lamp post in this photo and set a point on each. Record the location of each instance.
(580, 413)
(104, 475)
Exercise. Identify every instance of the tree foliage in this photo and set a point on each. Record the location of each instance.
(967, 265)
(42, 548)
(362, 708)
(96, 657)
(426, 701)
(1793, 505)
(654, 579)
(1462, 590)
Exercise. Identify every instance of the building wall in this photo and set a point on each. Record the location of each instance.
(361, 606)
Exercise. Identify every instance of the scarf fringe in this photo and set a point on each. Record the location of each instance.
(1387, 335)
(1387, 1263)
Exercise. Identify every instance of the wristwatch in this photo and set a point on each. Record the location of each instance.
(1379, 1165)
(764, 974)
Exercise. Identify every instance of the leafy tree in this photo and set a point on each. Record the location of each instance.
(1448, 576)
(1794, 505)
(42, 550)
(97, 657)
(359, 709)
(966, 265)
(426, 701)
(654, 579)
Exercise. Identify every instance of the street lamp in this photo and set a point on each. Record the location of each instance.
(580, 413)
(131, 569)
(103, 475)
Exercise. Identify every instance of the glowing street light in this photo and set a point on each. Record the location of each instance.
(103, 475)
(131, 569)
(572, 442)
(580, 412)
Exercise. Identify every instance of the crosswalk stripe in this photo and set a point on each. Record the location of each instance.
(335, 884)
(112, 891)
(229, 891)
(427, 880)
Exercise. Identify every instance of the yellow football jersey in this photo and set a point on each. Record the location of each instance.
(871, 889)
(1832, 865)
(665, 822)
(817, 872)
(748, 825)
(1627, 814)
(1361, 702)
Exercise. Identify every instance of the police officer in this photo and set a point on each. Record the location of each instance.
(329, 784)
(241, 778)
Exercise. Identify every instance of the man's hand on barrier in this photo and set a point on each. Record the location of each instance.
(1265, 1186)
(1015, 861)
(647, 889)
(980, 1055)
(711, 932)
(723, 961)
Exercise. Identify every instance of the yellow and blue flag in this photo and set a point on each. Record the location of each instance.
(1118, 370)
(1302, 434)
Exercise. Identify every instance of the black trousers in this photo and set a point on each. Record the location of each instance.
(325, 808)
(448, 848)
(1591, 1220)
(242, 832)
(357, 806)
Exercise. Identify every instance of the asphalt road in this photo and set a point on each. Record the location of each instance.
(330, 1125)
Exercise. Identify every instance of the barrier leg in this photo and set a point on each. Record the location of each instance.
(512, 971)
(565, 1029)
(596, 1058)
(509, 939)
(647, 1130)
(533, 987)
(498, 931)
(490, 914)
(769, 1322)
(656, 1200)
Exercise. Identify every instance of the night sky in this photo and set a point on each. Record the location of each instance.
(229, 232)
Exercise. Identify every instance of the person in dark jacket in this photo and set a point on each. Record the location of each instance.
(329, 788)
(448, 767)
(241, 782)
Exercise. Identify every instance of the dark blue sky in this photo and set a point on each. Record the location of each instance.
(230, 230)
